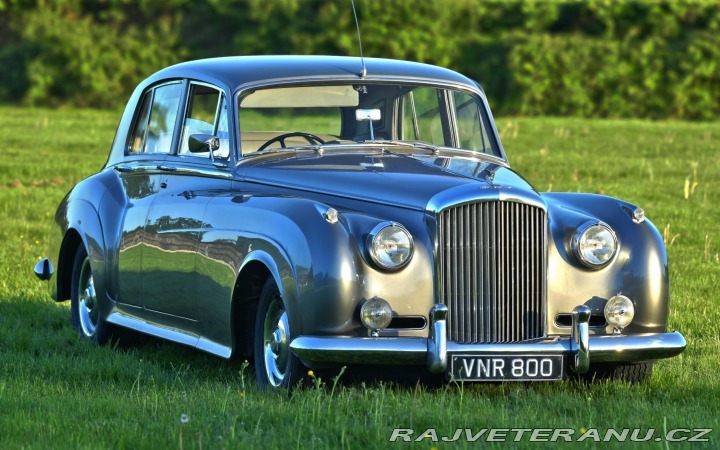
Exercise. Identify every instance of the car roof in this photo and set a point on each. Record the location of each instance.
(236, 71)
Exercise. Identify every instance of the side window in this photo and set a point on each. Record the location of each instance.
(206, 114)
(162, 118)
(155, 125)
(471, 132)
(425, 122)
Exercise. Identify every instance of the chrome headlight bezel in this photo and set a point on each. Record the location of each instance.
(581, 232)
(372, 248)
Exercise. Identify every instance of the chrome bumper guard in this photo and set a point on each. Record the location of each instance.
(433, 351)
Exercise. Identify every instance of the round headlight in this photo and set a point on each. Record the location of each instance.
(619, 311)
(390, 246)
(376, 313)
(594, 244)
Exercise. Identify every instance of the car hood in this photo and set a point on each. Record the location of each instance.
(388, 178)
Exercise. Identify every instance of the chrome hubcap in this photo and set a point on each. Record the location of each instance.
(275, 342)
(87, 303)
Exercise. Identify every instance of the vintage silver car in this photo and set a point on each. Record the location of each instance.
(315, 212)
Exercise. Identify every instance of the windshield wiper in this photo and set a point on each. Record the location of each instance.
(418, 145)
(315, 147)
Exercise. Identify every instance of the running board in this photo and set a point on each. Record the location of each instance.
(171, 334)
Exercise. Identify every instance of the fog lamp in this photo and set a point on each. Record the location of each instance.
(376, 314)
(619, 312)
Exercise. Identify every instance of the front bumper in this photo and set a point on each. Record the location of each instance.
(433, 351)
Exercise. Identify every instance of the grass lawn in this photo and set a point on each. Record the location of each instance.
(59, 392)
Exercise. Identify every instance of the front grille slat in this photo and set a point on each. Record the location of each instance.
(492, 263)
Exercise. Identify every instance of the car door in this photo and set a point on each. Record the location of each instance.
(175, 221)
(147, 147)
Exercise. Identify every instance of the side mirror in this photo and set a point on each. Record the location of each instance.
(199, 143)
(44, 269)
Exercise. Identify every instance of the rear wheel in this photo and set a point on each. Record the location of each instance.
(276, 366)
(630, 372)
(86, 316)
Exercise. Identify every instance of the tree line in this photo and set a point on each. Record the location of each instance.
(596, 58)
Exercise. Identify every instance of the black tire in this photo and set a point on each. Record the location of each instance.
(276, 366)
(87, 318)
(630, 372)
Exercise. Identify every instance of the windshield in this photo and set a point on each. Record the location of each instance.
(342, 114)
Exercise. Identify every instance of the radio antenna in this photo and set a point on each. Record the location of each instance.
(363, 70)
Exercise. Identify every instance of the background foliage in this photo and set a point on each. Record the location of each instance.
(597, 58)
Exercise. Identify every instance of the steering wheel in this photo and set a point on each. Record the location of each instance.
(311, 138)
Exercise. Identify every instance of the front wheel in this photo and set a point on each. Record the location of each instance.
(630, 372)
(87, 319)
(276, 366)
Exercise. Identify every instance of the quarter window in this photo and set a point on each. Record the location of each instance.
(137, 139)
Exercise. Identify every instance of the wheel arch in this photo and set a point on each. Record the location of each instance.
(77, 221)
(68, 249)
(83, 228)
(254, 271)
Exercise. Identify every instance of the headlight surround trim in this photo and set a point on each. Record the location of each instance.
(373, 251)
(580, 233)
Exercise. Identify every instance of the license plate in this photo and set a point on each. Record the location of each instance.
(506, 367)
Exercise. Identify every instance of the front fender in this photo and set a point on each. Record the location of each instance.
(310, 258)
(639, 270)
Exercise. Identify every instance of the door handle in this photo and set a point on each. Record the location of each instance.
(124, 168)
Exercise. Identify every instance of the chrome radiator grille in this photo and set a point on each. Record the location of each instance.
(492, 263)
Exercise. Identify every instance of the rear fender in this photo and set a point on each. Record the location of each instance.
(76, 220)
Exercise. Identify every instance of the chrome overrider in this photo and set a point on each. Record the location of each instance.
(433, 351)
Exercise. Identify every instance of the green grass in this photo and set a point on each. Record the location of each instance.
(59, 392)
